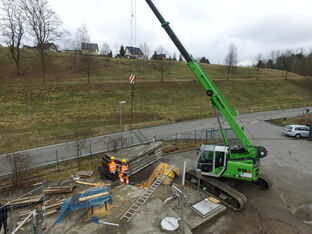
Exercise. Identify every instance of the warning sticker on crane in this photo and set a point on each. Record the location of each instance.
(246, 175)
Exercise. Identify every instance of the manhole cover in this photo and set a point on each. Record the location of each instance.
(304, 213)
(277, 226)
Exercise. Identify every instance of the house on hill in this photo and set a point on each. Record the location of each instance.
(49, 46)
(46, 46)
(161, 57)
(133, 52)
(89, 48)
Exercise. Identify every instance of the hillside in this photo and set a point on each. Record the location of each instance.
(68, 106)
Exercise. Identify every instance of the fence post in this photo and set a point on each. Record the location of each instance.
(57, 161)
(176, 140)
(195, 137)
(212, 135)
(206, 137)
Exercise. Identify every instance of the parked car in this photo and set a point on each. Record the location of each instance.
(297, 131)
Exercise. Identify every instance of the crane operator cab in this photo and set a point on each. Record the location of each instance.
(211, 160)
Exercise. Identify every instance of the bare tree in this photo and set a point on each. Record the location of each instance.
(162, 66)
(259, 64)
(174, 56)
(145, 49)
(81, 36)
(161, 50)
(19, 164)
(231, 59)
(105, 50)
(180, 58)
(87, 65)
(44, 25)
(12, 28)
(80, 134)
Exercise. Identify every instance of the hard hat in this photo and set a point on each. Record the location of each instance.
(112, 158)
(123, 160)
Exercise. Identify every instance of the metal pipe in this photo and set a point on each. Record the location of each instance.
(169, 198)
(184, 171)
(22, 223)
(107, 223)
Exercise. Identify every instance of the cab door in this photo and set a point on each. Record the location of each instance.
(205, 161)
(212, 163)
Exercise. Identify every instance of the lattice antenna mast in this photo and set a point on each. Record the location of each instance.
(133, 22)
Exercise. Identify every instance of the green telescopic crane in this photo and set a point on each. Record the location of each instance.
(213, 160)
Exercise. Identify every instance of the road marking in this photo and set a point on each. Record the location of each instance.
(254, 122)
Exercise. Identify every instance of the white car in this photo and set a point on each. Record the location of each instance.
(297, 131)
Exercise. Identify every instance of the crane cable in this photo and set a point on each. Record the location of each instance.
(132, 43)
(245, 127)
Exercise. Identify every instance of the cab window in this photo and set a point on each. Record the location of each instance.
(206, 157)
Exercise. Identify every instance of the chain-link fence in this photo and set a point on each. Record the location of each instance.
(54, 162)
(55, 154)
(184, 140)
(15, 208)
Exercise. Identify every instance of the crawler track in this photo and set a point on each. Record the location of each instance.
(225, 193)
(264, 182)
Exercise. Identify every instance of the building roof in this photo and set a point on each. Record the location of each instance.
(134, 50)
(28, 47)
(48, 45)
(89, 46)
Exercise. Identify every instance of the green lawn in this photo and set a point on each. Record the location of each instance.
(67, 104)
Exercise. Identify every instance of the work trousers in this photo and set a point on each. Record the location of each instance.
(114, 175)
(5, 225)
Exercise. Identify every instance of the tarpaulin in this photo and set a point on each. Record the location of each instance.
(73, 203)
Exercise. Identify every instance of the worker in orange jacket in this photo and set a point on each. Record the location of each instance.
(112, 166)
(123, 174)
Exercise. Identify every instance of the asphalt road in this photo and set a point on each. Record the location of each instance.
(284, 207)
(49, 154)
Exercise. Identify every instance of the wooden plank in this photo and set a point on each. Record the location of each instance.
(23, 214)
(47, 214)
(27, 198)
(214, 200)
(92, 184)
(157, 171)
(60, 189)
(92, 196)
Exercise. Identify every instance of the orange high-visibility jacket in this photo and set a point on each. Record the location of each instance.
(112, 166)
(124, 168)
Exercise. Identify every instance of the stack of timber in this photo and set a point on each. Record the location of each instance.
(29, 200)
(138, 157)
(58, 189)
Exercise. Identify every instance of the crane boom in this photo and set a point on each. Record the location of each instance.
(217, 99)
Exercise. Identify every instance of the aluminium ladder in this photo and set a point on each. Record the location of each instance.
(142, 200)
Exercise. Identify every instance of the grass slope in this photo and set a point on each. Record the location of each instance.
(67, 105)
